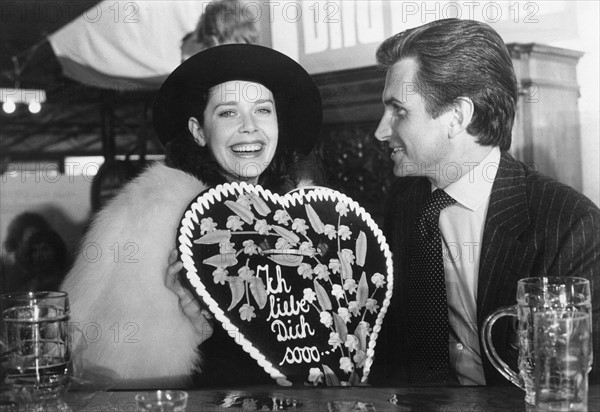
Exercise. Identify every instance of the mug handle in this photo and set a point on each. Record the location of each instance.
(489, 349)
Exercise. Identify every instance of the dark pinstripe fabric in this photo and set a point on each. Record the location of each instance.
(535, 226)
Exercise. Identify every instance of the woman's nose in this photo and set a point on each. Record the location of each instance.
(383, 129)
(248, 124)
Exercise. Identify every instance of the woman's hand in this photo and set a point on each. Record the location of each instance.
(201, 318)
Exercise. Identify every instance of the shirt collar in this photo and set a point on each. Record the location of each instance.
(474, 188)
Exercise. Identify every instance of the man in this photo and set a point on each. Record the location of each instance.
(223, 22)
(450, 97)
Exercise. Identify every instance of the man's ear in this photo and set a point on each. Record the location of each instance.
(462, 114)
(196, 131)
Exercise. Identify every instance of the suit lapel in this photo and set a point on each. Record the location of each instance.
(503, 257)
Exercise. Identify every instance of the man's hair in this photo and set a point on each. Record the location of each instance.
(225, 21)
(460, 58)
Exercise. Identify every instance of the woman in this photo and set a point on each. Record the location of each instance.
(229, 113)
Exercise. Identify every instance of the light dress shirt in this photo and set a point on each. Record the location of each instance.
(461, 226)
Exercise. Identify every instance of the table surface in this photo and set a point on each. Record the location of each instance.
(448, 399)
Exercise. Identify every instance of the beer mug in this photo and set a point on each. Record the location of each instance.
(533, 295)
(561, 341)
(37, 346)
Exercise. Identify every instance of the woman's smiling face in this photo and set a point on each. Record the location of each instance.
(240, 129)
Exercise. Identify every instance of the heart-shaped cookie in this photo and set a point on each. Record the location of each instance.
(302, 281)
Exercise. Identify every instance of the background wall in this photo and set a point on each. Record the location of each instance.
(588, 73)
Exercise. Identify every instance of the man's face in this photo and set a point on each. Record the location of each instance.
(419, 143)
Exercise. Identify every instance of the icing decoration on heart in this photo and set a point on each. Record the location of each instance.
(301, 281)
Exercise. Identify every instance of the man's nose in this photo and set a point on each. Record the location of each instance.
(383, 129)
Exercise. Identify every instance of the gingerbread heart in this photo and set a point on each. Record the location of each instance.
(301, 281)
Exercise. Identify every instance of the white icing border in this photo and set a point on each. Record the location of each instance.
(292, 198)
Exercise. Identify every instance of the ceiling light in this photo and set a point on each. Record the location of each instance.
(9, 106)
(35, 107)
(10, 97)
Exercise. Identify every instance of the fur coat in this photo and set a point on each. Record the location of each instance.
(129, 330)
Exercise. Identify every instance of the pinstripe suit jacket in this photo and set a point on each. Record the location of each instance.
(534, 226)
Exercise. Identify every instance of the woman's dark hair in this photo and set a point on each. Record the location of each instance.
(461, 58)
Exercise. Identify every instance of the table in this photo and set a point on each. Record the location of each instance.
(447, 399)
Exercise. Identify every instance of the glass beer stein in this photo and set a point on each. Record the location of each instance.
(555, 294)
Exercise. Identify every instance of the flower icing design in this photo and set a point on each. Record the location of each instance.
(307, 248)
(207, 225)
(359, 358)
(305, 270)
(335, 340)
(350, 285)
(282, 217)
(247, 312)
(344, 313)
(344, 232)
(282, 244)
(378, 280)
(300, 226)
(249, 247)
(326, 318)
(346, 364)
(351, 343)
(245, 273)
(342, 208)
(330, 231)
(220, 276)
(338, 292)
(309, 295)
(372, 305)
(262, 227)
(348, 255)
(321, 272)
(234, 223)
(334, 265)
(353, 308)
(315, 376)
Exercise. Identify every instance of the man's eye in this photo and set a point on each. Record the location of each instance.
(399, 111)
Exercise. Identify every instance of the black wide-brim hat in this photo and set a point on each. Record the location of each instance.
(297, 98)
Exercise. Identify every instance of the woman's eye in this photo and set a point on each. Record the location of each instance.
(227, 113)
(264, 110)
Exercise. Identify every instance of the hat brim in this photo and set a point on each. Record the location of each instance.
(297, 98)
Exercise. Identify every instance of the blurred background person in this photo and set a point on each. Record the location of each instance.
(111, 177)
(223, 22)
(36, 257)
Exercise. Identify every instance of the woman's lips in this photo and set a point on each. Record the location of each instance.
(247, 149)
